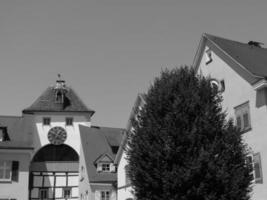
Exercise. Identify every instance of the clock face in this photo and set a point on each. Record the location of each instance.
(57, 135)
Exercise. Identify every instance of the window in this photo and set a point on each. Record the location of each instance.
(208, 56)
(255, 164)
(69, 121)
(5, 170)
(218, 85)
(105, 195)
(46, 121)
(242, 116)
(43, 193)
(3, 134)
(105, 167)
(59, 97)
(67, 192)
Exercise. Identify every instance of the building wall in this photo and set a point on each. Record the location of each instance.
(124, 191)
(40, 131)
(238, 91)
(84, 185)
(16, 189)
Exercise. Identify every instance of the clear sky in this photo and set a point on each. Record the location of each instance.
(109, 50)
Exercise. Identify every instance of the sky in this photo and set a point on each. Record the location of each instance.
(108, 51)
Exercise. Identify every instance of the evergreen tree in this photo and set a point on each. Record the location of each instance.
(183, 147)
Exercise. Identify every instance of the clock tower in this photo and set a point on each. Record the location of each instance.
(56, 116)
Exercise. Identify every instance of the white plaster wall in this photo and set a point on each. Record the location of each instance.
(17, 190)
(238, 91)
(73, 132)
(84, 185)
(124, 191)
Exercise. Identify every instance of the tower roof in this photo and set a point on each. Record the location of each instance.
(48, 102)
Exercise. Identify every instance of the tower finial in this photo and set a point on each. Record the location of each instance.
(59, 76)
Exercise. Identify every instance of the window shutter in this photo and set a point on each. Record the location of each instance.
(238, 122)
(15, 171)
(99, 167)
(246, 120)
(97, 195)
(113, 195)
(257, 168)
(112, 168)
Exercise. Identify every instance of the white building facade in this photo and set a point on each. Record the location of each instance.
(239, 71)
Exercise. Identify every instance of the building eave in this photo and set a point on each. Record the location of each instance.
(260, 84)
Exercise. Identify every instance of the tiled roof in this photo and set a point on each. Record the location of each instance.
(253, 58)
(46, 103)
(16, 130)
(97, 141)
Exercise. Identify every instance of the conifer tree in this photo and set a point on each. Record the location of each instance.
(183, 147)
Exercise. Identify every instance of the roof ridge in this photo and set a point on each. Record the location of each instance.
(210, 36)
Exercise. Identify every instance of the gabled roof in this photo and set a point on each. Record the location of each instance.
(46, 103)
(104, 158)
(253, 59)
(98, 141)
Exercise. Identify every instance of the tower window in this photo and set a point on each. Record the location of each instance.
(69, 121)
(46, 121)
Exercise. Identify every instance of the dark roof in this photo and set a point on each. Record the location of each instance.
(253, 58)
(46, 103)
(15, 145)
(16, 130)
(97, 141)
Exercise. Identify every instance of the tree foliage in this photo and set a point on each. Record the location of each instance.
(183, 147)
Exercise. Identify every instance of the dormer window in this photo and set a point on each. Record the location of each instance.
(105, 164)
(105, 167)
(59, 97)
(60, 90)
